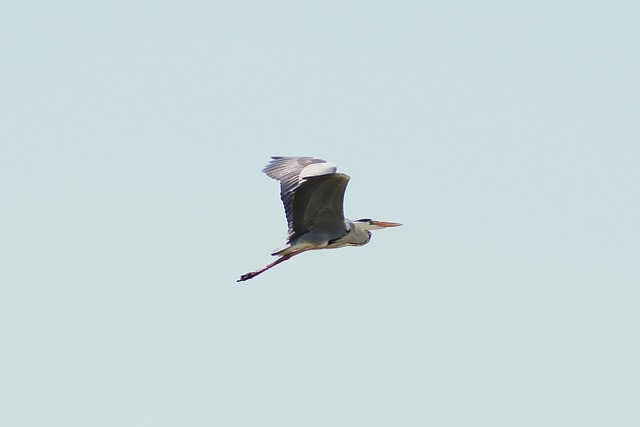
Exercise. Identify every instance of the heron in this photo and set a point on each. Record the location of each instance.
(312, 193)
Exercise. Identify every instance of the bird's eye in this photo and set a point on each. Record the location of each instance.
(365, 220)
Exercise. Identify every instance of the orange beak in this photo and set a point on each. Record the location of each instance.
(384, 224)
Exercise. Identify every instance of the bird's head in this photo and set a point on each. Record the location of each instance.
(369, 224)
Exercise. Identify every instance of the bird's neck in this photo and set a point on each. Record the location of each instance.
(358, 232)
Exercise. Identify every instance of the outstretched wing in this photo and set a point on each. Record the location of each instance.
(312, 193)
(318, 205)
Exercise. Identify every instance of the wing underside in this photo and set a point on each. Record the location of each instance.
(312, 194)
(318, 205)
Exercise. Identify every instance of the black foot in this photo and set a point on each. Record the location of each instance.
(247, 276)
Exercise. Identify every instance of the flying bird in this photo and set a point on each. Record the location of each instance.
(312, 193)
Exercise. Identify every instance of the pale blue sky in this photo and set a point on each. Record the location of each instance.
(504, 135)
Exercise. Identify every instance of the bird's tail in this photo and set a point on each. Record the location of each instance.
(281, 250)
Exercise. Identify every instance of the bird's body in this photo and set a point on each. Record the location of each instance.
(312, 193)
(352, 235)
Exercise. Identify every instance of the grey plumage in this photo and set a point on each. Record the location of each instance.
(312, 193)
